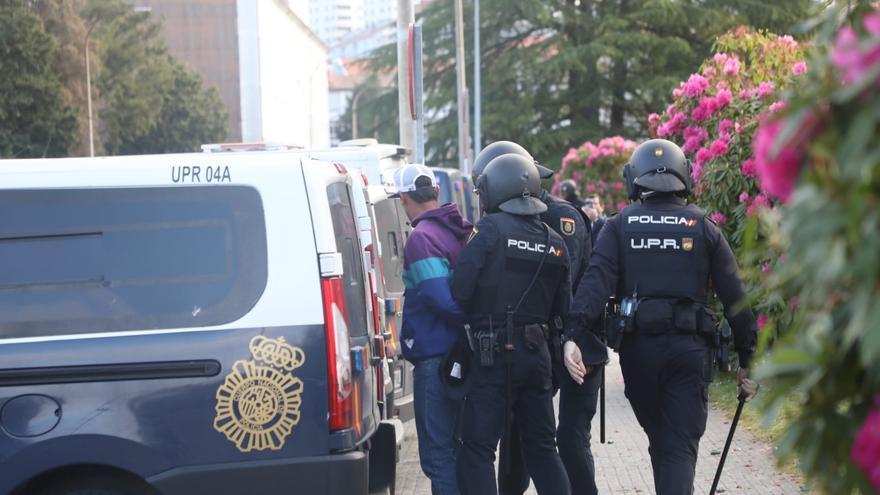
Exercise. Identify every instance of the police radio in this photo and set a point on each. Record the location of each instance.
(621, 323)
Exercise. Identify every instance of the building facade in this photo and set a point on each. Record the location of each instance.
(270, 68)
(334, 19)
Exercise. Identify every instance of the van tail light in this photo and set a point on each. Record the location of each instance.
(339, 372)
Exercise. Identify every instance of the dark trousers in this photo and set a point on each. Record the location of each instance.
(577, 406)
(666, 378)
(483, 421)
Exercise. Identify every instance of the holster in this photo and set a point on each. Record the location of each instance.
(487, 346)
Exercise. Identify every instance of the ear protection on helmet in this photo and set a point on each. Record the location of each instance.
(483, 190)
(631, 193)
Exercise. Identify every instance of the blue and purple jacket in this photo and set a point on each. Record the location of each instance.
(431, 318)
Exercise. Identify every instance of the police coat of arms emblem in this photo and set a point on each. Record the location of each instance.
(259, 402)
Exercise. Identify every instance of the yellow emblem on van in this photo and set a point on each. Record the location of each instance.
(259, 402)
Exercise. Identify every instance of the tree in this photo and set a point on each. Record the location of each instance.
(34, 121)
(558, 72)
(62, 21)
(150, 102)
(188, 117)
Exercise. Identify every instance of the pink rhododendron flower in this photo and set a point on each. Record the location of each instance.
(571, 156)
(720, 58)
(765, 268)
(670, 110)
(799, 68)
(724, 98)
(787, 40)
(591, 187)
(617, 186)
(697, 171)
(695, 85)
(746, 94)
(853, 60)
(748, 168)
(744, 197)
(653, 119)
(709, 71)
(778, 170)
(676, 93)
(765, 89)
(778, 105)
(703, 156)
(762, 321)
(725, 126)
(872, 23)
(737, 127)
(718, 148)
(700, 113)
(694, 137)
(721, 85)
(718, 218)
(865, 451)
(731, 67)
(760, 202)
(672, 125)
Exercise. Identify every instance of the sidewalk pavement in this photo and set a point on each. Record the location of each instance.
(623, 465)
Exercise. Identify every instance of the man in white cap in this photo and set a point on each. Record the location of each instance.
(432, 321)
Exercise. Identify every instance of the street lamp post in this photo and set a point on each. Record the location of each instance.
(136, 10)
(89, 89)
(354, 111)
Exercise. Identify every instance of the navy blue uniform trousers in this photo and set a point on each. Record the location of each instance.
(666, 380)
(577, 406)
(483, 421)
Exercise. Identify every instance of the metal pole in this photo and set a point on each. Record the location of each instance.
(354, 112)
(89, 90)
(418, 94)
(405, 17)
(477, 97)
(461, 89)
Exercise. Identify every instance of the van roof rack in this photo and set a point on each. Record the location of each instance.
(227, 147)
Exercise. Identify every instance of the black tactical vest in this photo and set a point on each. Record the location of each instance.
(510, 266)
(572, 226)
(663, 253)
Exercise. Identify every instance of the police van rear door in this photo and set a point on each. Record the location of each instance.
(353, 406)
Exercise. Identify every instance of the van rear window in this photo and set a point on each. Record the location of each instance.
(106, 260)
(346, 234)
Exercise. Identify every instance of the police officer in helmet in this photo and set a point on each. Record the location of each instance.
(569, 190)
(562, 216)
(658, 257)
(577, 404)
(511, 280)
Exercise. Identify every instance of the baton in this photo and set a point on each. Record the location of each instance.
(739, 409)
(602, 408)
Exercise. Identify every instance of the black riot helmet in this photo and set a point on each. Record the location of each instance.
(510, 183)
(499, 148)
(657, 165)
(568, 189)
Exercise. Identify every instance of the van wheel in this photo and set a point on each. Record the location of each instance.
(98, 485)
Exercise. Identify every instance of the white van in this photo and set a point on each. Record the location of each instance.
(196, 323)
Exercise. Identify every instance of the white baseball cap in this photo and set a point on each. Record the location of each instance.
(405, 178)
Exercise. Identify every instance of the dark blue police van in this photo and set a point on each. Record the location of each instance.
(186, 324)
